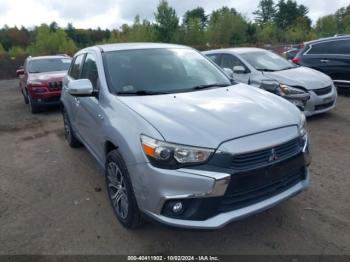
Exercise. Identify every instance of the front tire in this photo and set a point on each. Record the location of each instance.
(68, 131)
(120, 191)
(34, 109)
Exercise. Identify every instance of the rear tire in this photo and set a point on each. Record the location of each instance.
(120, 191)
(72, 140)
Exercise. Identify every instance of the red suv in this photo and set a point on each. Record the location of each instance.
(41, 80)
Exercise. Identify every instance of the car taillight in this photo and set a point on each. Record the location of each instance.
(296, 60)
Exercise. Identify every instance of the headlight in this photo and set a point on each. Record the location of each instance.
(302, 126)
(285, 90)
(171, 156)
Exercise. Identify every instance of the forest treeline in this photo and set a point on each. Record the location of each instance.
(284, 21)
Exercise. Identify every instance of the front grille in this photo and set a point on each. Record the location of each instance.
(323, 91)
(55, 85)
(247, 188)
(263, 157)
(324, 106)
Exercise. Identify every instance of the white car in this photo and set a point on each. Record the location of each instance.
(265, 69)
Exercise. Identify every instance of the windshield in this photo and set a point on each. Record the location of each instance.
(49, 65)
(159, 71)
(267, 61)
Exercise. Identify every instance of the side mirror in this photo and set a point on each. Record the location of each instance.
(228, 72)
(20, 71)
(80, 87)
(239, 70)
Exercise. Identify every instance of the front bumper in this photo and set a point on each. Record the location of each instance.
(320, 104)
(155, 188)
(46, 101)
(223, 219)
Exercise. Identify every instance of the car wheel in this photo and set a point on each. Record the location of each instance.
(72, 140)
(120, 191)
(34, 109)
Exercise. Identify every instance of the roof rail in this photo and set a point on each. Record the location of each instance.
(337, 35)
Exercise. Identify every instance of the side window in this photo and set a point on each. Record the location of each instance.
(339, 47)
(90, 70)
(215, 58)
(317, 49)
(75, 69)
(230, 61)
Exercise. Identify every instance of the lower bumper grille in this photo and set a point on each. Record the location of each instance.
(248, 188)
(324, 106)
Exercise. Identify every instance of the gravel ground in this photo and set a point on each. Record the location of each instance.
(53, 199)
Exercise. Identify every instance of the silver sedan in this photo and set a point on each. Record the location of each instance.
(267, 70)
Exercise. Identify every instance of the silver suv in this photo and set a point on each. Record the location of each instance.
(178, 141)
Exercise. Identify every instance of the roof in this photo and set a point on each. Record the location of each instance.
(130, 46)
(48, 57)
(325, 39)
(238, 50)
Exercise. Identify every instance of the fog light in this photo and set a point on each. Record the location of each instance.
(177, 208)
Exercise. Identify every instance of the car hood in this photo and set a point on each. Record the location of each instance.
(207, 118)
(301, 76)
(47, 76)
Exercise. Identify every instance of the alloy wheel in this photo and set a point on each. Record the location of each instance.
(117, 190)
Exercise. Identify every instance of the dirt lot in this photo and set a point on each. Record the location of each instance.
(50, 201)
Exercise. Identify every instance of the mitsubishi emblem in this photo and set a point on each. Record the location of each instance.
(273, 155)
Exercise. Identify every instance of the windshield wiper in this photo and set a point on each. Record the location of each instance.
(265, 70)
(286, 68)
(141, 93)
(199, 87)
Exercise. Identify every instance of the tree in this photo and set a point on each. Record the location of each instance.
(197, 13)
(326, 26)
(288, 12)
(266, 12)
(2, 50)
(193, 33)
(226, 27)
(49, 42)
(167, 22)
(17, 51)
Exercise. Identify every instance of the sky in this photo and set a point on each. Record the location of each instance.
(113, 13)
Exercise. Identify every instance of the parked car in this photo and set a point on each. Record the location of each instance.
(178, 141)
(330, 56)
(41, 80)
(291, 53)
(267, 70)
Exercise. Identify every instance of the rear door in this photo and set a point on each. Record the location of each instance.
(330, 57)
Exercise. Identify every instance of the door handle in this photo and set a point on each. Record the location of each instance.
(324, 60)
